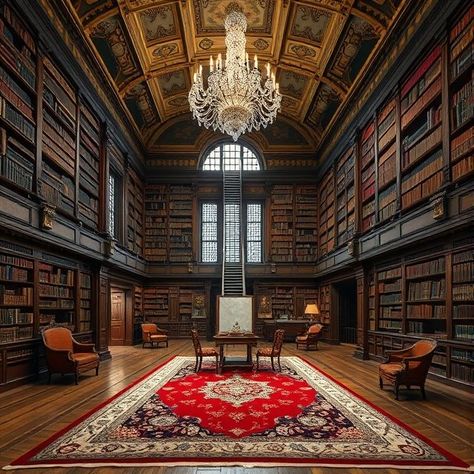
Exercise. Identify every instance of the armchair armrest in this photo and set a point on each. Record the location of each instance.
(162, 331)
(396, 355)
(79, 347)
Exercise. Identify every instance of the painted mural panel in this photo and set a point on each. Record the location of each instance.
(140, 104)
(310, 24)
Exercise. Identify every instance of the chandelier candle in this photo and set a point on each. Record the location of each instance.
(236, 100)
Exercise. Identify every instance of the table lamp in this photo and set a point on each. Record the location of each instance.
(313, 310)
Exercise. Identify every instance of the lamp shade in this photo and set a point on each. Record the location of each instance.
(311, 309)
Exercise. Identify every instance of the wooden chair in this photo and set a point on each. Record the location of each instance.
(408, 366)
(151, 333)
(64, 355)
(273, 351)
(201, 352)
(310, 337)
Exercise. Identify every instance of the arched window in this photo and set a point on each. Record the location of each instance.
(231, 156)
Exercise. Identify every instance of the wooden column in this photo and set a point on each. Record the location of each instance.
(103, 316)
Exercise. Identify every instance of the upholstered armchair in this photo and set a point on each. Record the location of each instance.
(151, 333)
(64, 355)
(311, 337)
(408, 366)
(201, 352)
(273, 351)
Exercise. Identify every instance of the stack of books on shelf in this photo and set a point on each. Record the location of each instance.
(367, 171)
(306, 217)
(156, 223)
(85, 309)
(155, 303)
(282, 223)
(180, 223)
(135, 213)
(327, 214)
(345, 199)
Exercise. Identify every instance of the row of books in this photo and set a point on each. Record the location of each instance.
(435, 266)
(390, 325)
(462, 104)
(461, 144)
(390, 312)
(15, 334)
(463, 311)
(461, 24)
(16, 261)
(17, 169)
(390, 298)
(51, 274)
(463, 168)
(462, 372)
(56, 304)
(60, 291)
(463, 292)
(412, 155)
(9, 272)
(426, 290)
(425, 311)
(390, 287)
(423, 190)
(9, 113)
(22, 296)
(464, 331)
(15, 94)
(422, 172)
(15, 316)
(463, 272)
(462, 55)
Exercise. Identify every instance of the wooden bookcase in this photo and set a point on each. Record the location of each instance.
(428, 296)
(282, 221)
(326, 214)
(387, 160)
(180, 223)
(306, 218)
(86, 302)
(59, 139)
(367, 177)
(89, 167)
(421, 130)
(135, 199)
(345, 197)
(460, 78)
(178, 308)
(18, 102)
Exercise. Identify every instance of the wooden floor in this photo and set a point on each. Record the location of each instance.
(33, 412)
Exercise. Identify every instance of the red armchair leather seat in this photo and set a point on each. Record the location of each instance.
(64, 355)
(151, 333)
(408, 366)
(310, 337)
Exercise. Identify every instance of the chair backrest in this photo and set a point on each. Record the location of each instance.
(196, 343)
(149, 327)
(315, 329)
(58, 338)
(423, 348)
(278, 341)
(418, 370)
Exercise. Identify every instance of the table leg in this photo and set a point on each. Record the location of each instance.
(221, 358)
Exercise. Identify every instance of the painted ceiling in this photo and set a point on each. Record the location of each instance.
(149, 49)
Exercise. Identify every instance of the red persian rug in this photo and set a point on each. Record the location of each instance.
(300, 416)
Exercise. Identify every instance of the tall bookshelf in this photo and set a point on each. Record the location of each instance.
(85, 302)
(387, 160)
(306, 219)
(421, 130)
(282, 223)
(135, 213)
(345, 197)
(59, 139)
(89, 170)
(367, 177)
(155, 304)
(16, 298)
(156, 223)
(325, 304)
(388, 304)
(180, 224)
(461, 77)
(56, 293)
(326, 214)
(463, 295)
(18, 101)
(371, 301)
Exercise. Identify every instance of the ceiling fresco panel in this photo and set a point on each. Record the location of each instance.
(292, 83)
(113, 46)
(324, 107)
(89, 10)
(158, 24)
(172, 83)
(140, 105)
(310, 24)
(352, 52)
(210, 15)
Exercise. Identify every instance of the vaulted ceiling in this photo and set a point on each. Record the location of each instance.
(149, 50)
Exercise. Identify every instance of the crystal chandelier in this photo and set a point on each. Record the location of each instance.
(236, 101)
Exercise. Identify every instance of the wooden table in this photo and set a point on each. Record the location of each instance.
(227, 339)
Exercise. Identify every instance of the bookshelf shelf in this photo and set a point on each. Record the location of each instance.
(282, 223)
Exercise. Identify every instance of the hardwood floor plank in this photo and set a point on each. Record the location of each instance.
(31, 413)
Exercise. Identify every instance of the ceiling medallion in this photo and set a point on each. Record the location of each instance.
(206, 43)
(235, 100)
(261, 44)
